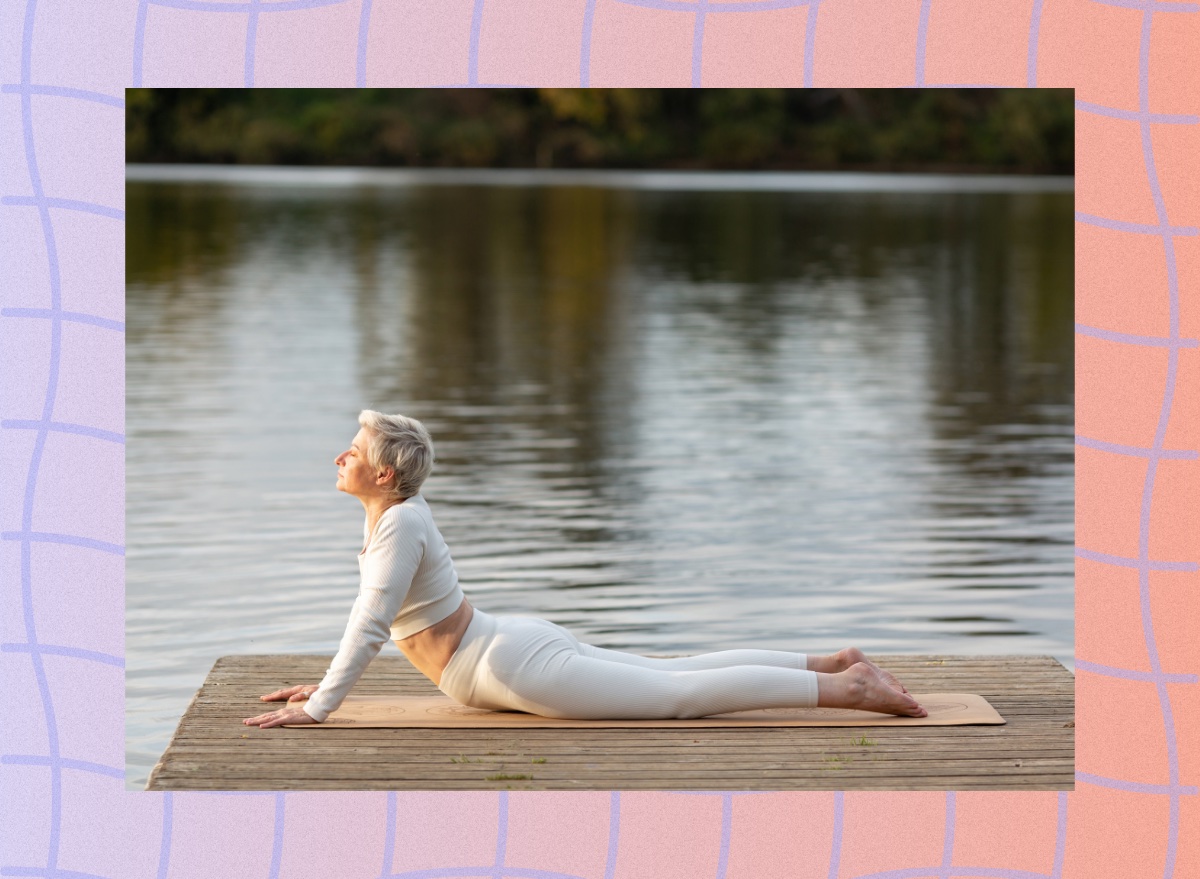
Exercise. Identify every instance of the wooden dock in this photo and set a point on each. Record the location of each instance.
(212, 750)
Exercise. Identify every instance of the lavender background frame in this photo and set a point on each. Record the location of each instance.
(63, 67)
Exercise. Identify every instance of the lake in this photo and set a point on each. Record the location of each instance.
(674, 413)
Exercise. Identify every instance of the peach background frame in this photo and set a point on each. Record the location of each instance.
(63, 67)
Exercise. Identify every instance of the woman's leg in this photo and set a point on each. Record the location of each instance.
(701, 661)
(538, 667)
(831, 664)
(570, 685)
(698, 662)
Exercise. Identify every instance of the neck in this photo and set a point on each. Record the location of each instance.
(376, 505)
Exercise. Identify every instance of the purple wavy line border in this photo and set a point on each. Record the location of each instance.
(1138, 787)
(1160, 208)
(65, 427)
(1130, 674)
(70, 204)
(117, 772)
(64, 650)
(1135, 451)
(1150, 5)
(1148, 9)
(498, 869)
(922, 38)
(1137, 115)
(69, 316)
(501, 835)
(59, 91)
(1031, 53)
(700, 7)
(810, 42)
(364, 29)
(1132, 339)
(473, 46)
(54, 756)
(1126, 562)
(254, 8)
(1140, 228)
(614, 834)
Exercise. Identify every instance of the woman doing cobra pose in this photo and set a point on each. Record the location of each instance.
(409, 593)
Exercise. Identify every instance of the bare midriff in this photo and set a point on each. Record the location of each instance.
(430, 650)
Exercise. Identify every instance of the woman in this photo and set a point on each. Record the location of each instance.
(410, 593)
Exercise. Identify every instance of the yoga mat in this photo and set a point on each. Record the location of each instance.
(368, 712)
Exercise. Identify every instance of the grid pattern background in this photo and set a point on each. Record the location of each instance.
(63, 68)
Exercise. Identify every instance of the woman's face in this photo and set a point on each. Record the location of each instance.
(355, 475)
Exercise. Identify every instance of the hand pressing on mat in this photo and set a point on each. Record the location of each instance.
(298, 693)
(278, 718)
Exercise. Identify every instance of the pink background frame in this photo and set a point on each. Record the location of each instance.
(63, 67)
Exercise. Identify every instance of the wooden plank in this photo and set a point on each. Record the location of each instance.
(212, 750)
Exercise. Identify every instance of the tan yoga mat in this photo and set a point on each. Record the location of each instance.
(372, 712)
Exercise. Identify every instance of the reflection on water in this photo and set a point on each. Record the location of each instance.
(673, 421)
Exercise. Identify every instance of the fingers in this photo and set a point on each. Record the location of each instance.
(286, 694)
(262, 718)
(266, 721)
(265, 718)
(279, 717)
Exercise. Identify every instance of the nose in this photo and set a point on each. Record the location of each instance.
(338, 459)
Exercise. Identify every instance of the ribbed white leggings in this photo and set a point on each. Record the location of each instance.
(510, 663)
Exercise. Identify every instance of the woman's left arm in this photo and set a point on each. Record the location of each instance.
(389, 564)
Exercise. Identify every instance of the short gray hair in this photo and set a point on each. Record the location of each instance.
(401, 443)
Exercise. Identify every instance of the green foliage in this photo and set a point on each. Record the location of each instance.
(1016, 130)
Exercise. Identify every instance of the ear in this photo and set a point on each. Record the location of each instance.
(386, 475)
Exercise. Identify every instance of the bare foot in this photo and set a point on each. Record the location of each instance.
(850, 655)
(863, 686)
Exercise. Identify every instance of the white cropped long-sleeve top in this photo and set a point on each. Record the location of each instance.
(408, 583)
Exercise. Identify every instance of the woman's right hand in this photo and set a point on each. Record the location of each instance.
(298, 693)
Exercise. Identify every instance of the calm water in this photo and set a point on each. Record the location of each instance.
(672, 414)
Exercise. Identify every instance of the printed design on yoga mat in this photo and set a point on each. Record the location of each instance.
(463, 711)
(931, 707)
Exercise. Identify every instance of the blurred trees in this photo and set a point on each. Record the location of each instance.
(1007, 130)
